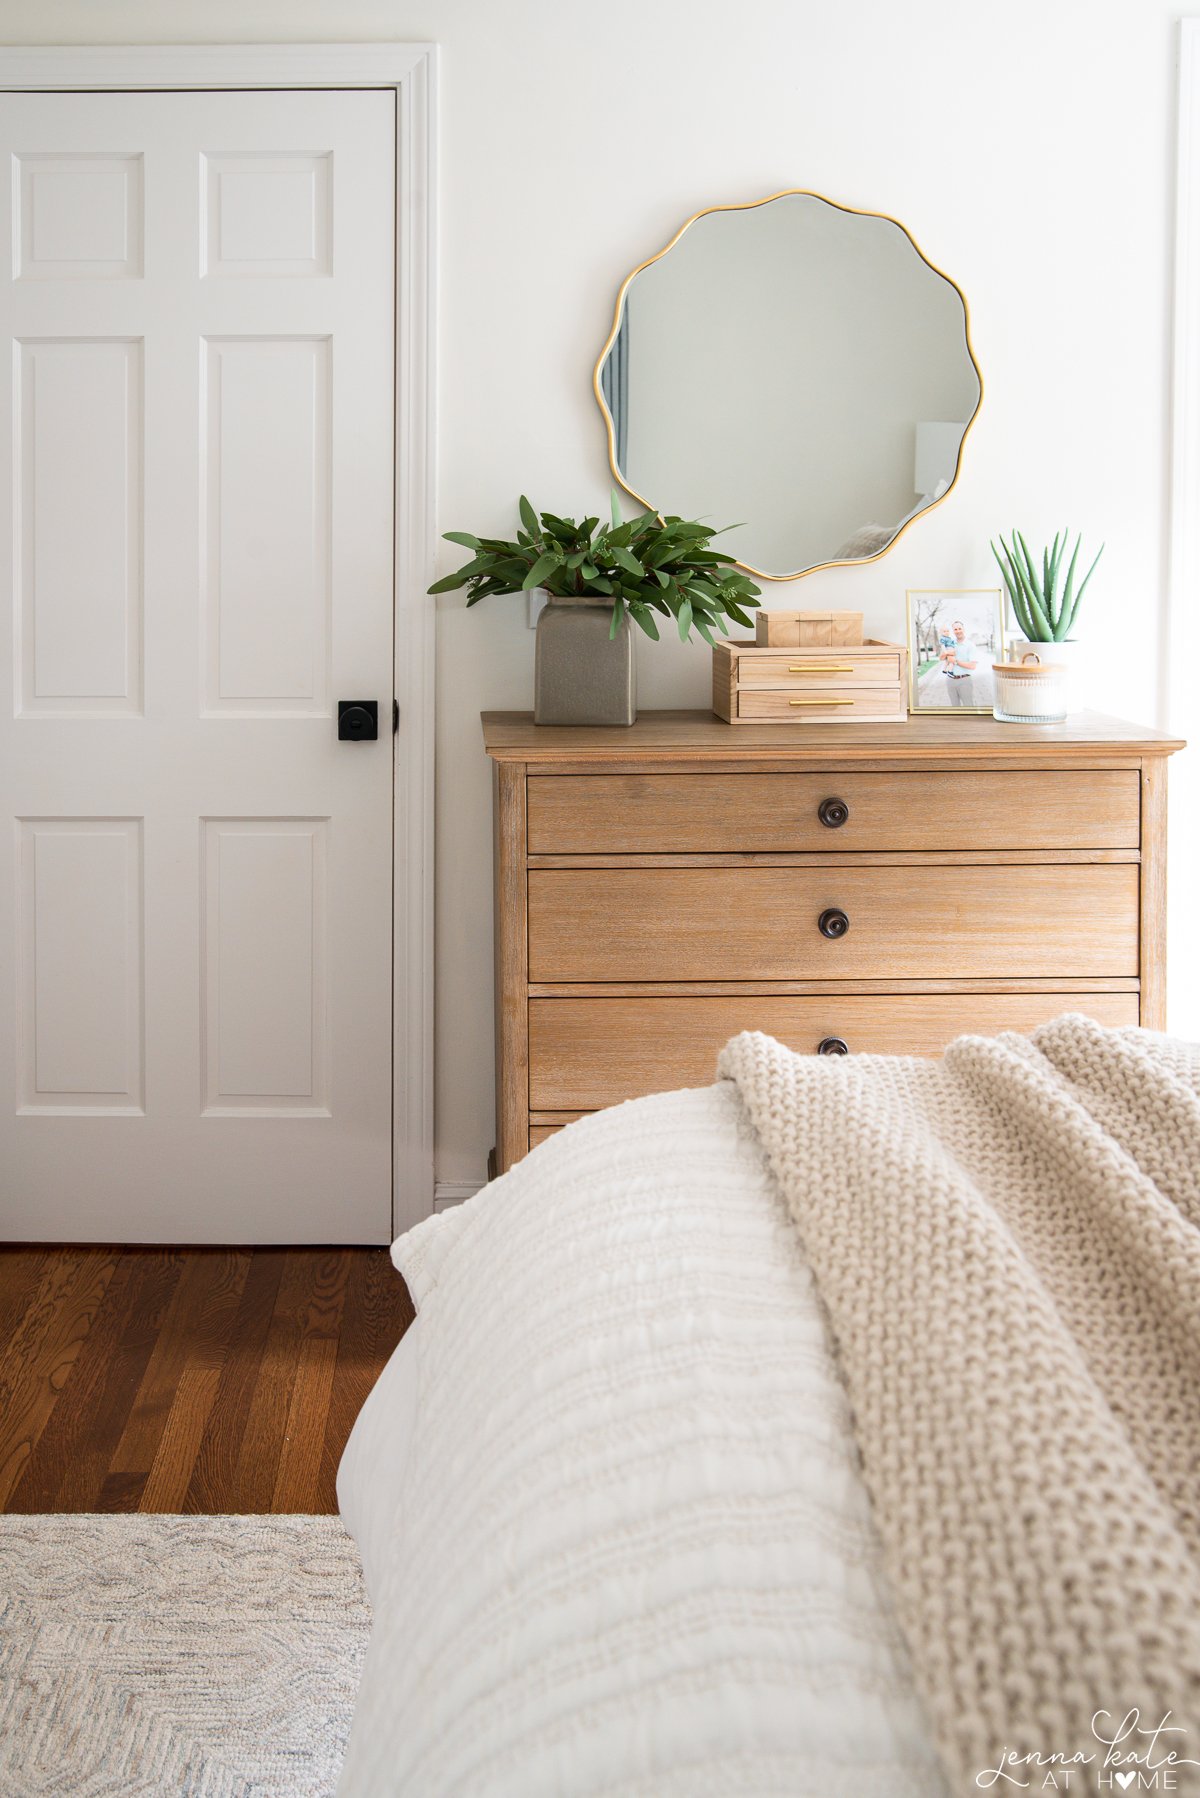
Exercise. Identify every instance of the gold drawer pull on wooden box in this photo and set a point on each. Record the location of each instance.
(820, 667)
(824, 700)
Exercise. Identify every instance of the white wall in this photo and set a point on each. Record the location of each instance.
(1026, 143)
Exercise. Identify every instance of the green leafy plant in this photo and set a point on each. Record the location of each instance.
(642, 566)
(1044, 606)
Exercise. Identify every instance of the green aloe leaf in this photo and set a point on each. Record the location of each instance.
(1067, 624)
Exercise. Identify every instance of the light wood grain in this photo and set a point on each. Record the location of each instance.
(1154, 896)
(879, 858)
(588, 1053)
(751, 923)
(881, 704)
(993, 875)
(787, 989)
(512, 965)
(699, 737)
(692, 813)
(791, 630)
(806, 670)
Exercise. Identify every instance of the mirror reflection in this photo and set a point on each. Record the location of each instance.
(794, 365)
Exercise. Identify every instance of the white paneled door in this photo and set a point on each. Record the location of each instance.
(196, 506)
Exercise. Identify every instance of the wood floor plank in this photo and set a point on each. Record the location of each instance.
(213, 1477)
(179, 1444)
(120, 1492)
(62, 1441)
(104, 1405)
(298, 1483)
(21, 1270)
(270, 1403)
(223, 1380)
(194, 1329)
(47, 1343)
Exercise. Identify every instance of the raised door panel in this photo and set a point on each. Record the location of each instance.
(659, 814)
(268, 215)
(1038, 921)
(588, 1053)
(267, 487)
(77, 507)
(265, 1002)
(80, 961)
(78, 217)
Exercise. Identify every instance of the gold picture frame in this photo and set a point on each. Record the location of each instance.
(945, 624)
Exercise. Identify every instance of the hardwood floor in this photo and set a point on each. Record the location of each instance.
(222, 1380)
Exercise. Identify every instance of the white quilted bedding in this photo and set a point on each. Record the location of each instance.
(628, 1550)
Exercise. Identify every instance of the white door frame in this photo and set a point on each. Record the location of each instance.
(1178, 708)
(410, 70)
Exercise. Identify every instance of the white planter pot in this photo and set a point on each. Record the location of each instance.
(1067, 655)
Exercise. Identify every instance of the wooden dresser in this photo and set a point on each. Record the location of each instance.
(874, 887)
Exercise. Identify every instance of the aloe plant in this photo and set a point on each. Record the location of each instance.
(1044, 606)
(646, 565)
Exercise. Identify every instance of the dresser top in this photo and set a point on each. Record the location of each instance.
(701, 737)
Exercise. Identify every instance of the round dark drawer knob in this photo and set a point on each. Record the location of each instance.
(833, 1045)
(833, 813)
(833, 923)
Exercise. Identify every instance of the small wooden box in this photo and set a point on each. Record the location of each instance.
(866, 683)
(808, 630)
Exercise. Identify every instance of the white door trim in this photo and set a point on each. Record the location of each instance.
(1181, 633)
(411, 70)
(1185, 422)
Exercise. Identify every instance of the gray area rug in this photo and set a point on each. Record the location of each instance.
(201, 1657)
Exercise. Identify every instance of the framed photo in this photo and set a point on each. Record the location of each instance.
(954, 636)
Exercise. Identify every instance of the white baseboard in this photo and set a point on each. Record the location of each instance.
(453, 1192)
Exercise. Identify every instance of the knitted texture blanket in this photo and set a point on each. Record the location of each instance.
(1007, 1243)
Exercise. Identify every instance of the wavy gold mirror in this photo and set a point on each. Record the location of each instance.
(797, 365)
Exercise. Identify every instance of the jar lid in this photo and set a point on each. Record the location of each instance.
(1028, 670)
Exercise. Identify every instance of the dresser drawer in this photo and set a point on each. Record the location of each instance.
(588, 1053)
(665, 814)
(1034, 921)
(812, 668)
(810, 706)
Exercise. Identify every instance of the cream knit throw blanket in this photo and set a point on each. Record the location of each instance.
(1007, 1242)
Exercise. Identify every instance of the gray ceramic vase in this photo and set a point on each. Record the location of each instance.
(580, 674)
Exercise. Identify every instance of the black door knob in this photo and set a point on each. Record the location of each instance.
(833, 923)
(358, 720)
(833, 1045)
(833, 813)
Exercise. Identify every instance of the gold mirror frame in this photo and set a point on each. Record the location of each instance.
(750, 206)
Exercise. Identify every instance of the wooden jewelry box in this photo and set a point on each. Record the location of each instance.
(807, 630)
(863, 683)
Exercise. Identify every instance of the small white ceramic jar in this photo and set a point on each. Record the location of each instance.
(1030, 691)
